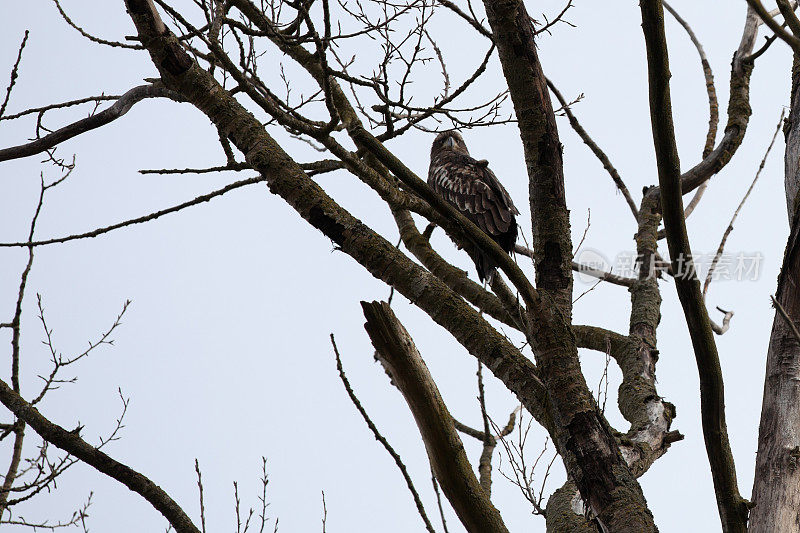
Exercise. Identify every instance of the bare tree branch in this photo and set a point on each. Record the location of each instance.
(585, 269)
(767, 19)
(61, 105)
(139, 220)
(732, 507)
(94, 39)
(596, 150)
(711, 91)
(729, 229)
(713, 104)
(72, 443)
(738, 111)
(120, 107)
(376, 254)
(403, 363)
(14, 74)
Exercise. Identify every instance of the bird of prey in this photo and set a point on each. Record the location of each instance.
(473, 189)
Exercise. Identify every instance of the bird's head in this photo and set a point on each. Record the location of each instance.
(449, 140)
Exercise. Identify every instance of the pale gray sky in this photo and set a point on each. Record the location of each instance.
(224, 351)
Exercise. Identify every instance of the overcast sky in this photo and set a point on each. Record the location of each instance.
(225, 353)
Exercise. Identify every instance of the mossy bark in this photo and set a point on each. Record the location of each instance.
(582, 435)
(550, 226)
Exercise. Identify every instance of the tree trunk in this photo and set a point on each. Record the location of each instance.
(776, 489)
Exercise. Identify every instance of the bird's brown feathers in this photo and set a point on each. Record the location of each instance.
(471, 187)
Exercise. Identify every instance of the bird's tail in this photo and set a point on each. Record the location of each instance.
(485, 266)
(490, 276)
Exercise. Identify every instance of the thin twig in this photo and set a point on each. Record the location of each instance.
(489, 442)
(586, 269)
(786, 317)
(200, 488)
(114, 44)
(438, 500)
(61, 105)
(596, 150)
(585, 232)
(729, 229)
(324, 512)
(139, 220)
(14, 74)
(380, 438)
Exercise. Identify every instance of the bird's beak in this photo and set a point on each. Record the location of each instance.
(450, 142)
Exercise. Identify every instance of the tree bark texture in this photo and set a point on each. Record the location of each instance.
(550, 227)
(581, 433)
(399, 356)
(776, 488)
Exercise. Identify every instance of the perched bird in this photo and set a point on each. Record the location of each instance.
(473, 189)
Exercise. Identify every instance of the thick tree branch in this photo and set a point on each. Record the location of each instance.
(583, 438)
(454, 277)
(398, 355)
(445, 215)
(791, 20)
(650, 416)
(767, 19)
(551, 239)
(732, 507)
(738, 111)
(775, 495)
(600, 339)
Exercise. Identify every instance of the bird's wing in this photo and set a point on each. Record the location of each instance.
(470, 186)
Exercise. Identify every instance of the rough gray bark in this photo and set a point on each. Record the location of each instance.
(286, 179)
(776, 497)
